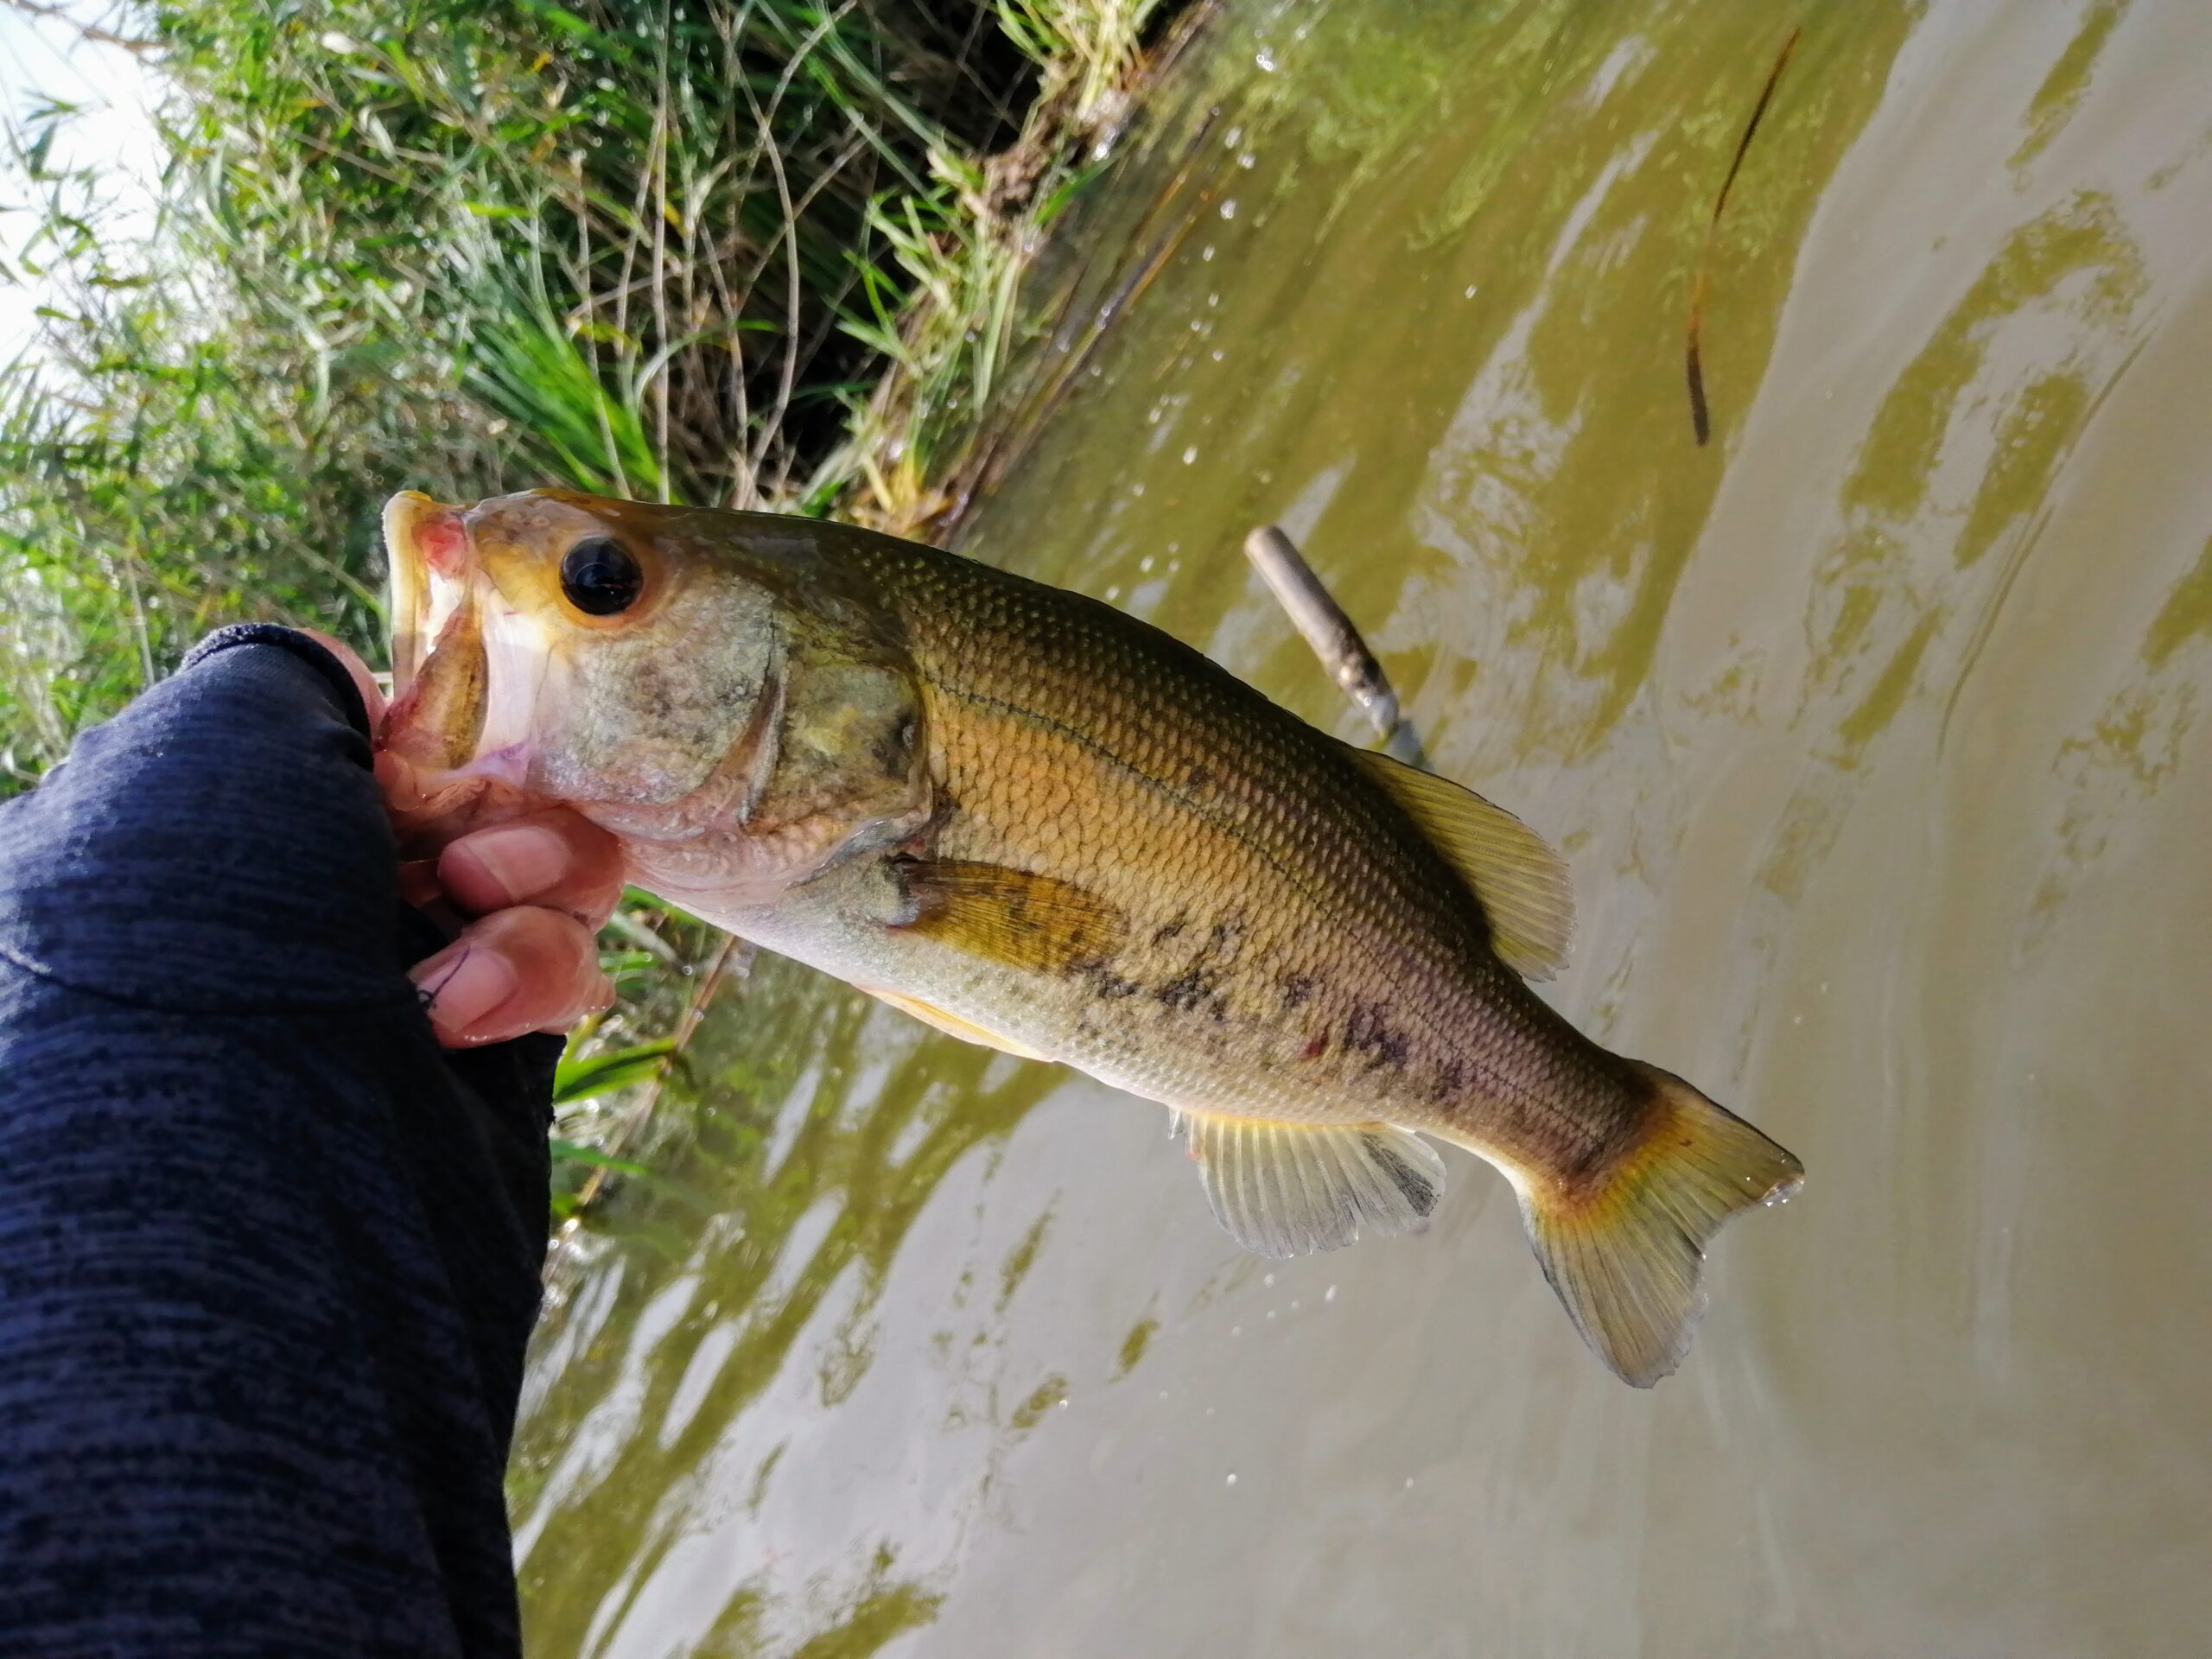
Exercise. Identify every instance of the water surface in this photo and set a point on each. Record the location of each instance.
(1873, 733)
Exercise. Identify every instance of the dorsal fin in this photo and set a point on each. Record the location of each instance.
(1282, 1189)
(1521, 883)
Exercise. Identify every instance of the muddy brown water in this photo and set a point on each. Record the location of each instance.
(1874, 733)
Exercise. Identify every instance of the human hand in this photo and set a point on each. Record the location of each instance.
(528, 894)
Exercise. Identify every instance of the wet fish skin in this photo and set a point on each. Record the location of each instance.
(1044, 825)
(1292, 945)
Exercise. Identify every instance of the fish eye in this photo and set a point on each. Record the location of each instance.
(600, 576)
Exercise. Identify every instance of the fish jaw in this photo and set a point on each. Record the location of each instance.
(465, 707)
(467, 669)
(415, 525)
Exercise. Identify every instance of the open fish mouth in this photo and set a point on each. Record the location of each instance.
(415, 525)
(467, 667)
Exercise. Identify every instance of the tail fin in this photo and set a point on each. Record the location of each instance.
(1625, 1245)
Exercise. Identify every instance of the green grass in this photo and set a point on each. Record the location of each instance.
(750, 252)
(762, 253)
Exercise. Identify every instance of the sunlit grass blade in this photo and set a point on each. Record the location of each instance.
(582, 1078)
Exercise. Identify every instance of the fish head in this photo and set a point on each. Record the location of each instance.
(718, 688)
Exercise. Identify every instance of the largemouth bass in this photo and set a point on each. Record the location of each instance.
(1044, 826)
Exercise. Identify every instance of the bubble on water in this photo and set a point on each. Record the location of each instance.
(1206, 253)
(1136, 489)
(1269, 1280)
(1330, 1295)
(1232, 1477)
(1265, 58)
(1293, 1304)
(1163, 1393)
(1471, 287)
(1234, 136)
(1219, 355)
(1213, 300)
(1229, 208)
(1236, 1330)
(1144, 565)
(1409, 1479)
(1190, 454)
(1271, 1313)
(1247, 160)
(1209, 1411)
(1113, 592)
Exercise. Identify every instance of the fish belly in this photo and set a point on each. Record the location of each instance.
(1201, 1016)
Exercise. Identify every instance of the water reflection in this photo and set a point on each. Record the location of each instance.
(1874, 734)
(790, 1167)
(2060, 95)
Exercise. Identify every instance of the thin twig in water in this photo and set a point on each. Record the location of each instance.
(1342, 650)
(1700, 419)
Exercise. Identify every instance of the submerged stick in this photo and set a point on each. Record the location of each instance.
(1700, 419)
(1335, 640)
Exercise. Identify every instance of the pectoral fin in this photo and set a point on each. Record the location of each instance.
(952, 1025)
(1283, 1189)
(1521, 883)
(1033, 922)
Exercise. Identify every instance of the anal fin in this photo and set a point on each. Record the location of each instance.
(1284, 1189)
(953, 1026)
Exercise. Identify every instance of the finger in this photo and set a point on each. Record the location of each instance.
(413, 810)
(430, 819)
(556, 859)
(372, 697)
(514, 971)
(396, 780)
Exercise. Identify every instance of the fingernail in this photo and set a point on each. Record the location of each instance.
(460, 990)
(522, 859)
(602, 996)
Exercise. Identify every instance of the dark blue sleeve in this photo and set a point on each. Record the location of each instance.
(269, 1256)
